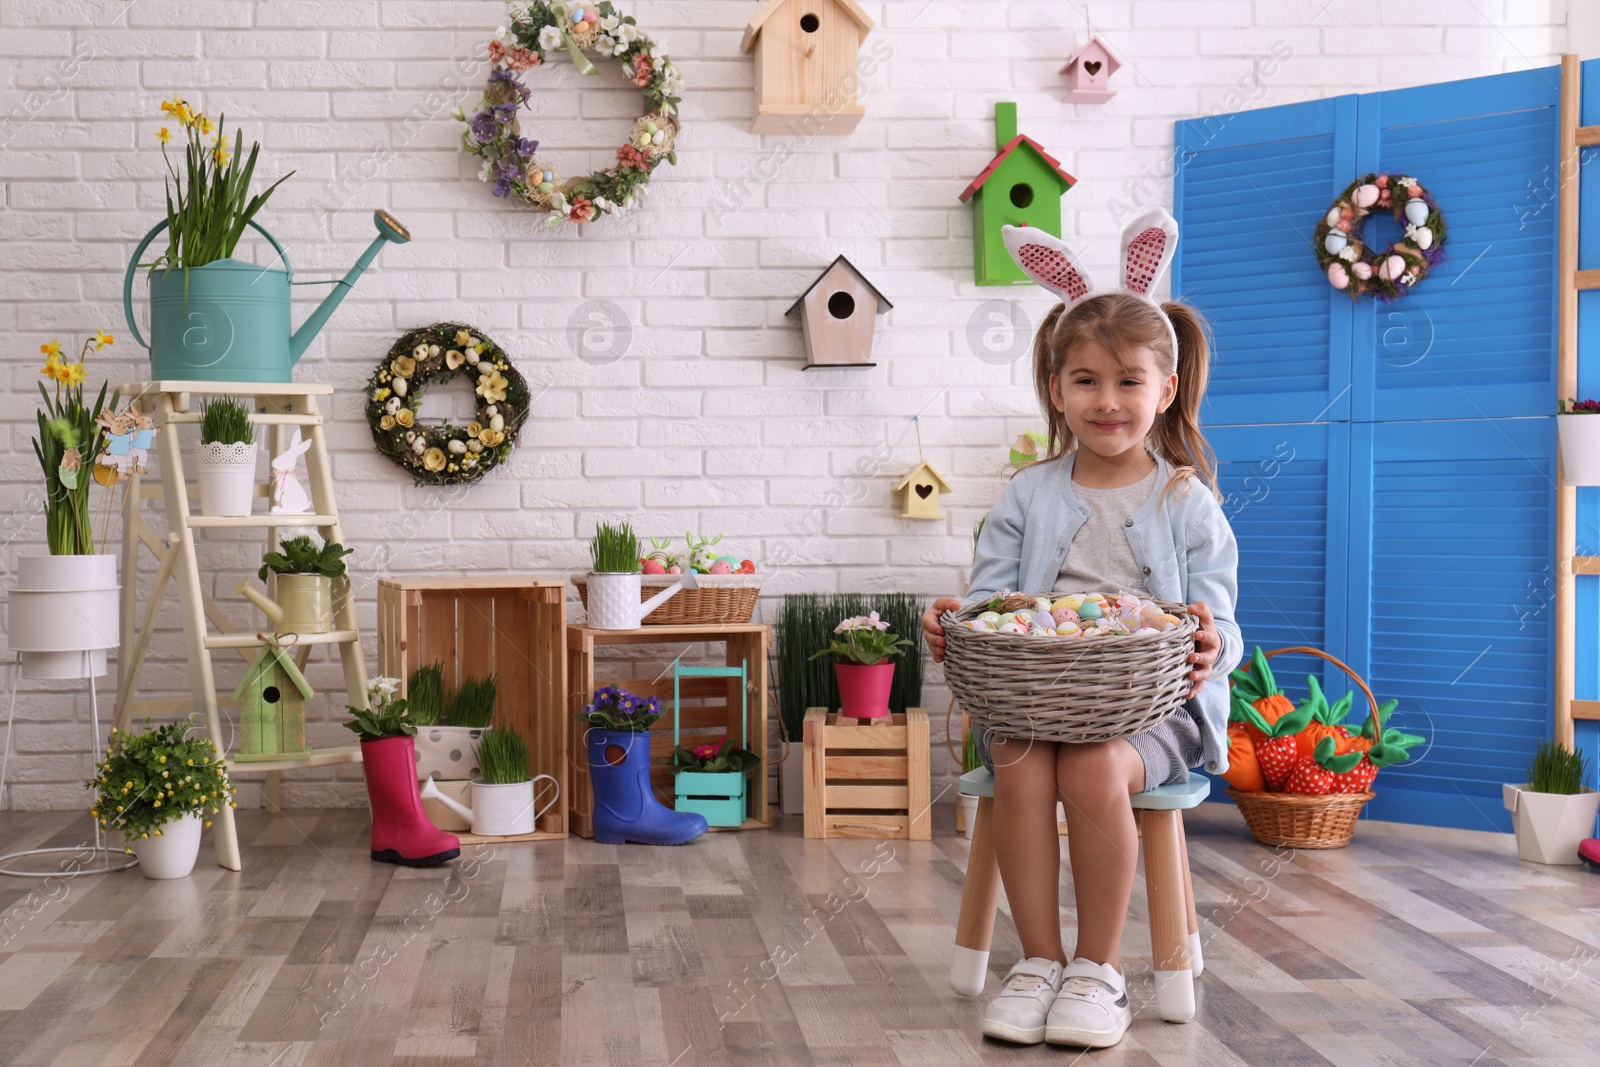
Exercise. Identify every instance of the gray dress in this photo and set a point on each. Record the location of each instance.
(1099, 559)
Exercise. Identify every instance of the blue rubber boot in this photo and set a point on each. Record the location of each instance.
(625, 807)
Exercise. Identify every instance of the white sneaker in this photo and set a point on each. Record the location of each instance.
(1091, 1007)
(1018, 1013)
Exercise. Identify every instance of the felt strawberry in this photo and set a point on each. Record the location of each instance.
(1326, 719)
(1278, 750)
(1325, 772)
(1309, 778)
(1244, 772)
(1260, 691)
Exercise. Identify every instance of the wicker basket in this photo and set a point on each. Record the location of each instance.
(721, 598)
(1067, 688)
(1298, 821)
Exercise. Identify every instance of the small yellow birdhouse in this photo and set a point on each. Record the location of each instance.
(919, 492)
(272, 708)
(806, 55)
(838, 314)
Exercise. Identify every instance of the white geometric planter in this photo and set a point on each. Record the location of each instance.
(614, 604)
(65, 615)
(227, 478)
(171, 855)
(1550, 825)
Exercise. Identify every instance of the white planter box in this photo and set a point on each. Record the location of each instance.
(1580, 448)
(65, 614)
(1549, 826)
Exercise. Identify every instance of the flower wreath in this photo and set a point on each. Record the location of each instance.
(494, 134)
(442, 453)
(1389, 275)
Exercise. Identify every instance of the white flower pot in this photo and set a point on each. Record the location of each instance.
(448, 753)
(1580, 448)
(1550, 825)
(227, 478)
(500, 810)
(171, 855)
(65, 614)
(969, 814)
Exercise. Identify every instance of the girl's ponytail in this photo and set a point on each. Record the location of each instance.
(1177, 430)
(1059, 438)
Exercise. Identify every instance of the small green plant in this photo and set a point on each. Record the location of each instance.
(149, 779)
(386, 713)
(1557, 769)
(977, 532)
(970, 760)
(503, 756)
(474, 703)
(614, 708)
(425, 694)
(301, 555)
(715, 757)
(864, 639)
(225, 420)
(615, 549)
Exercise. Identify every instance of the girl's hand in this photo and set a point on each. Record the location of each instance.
(931, 628)
(1207, 646)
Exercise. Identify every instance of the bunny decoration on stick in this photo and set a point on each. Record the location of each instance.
(288, 495)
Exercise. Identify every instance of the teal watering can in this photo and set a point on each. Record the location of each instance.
(228, 321)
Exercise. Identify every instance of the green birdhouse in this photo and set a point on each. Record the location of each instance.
(272, 709)
(1022, 186)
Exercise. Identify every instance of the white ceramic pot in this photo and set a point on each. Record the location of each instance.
(969, 814)
(792, 781)
(448, 753)
(171, 855)
(1549, 826)
(615, 604)
(1580, 448)
(227, 478)
(65, 614)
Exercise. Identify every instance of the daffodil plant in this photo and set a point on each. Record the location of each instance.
(70, 438)
(149, 779)
(213, 203)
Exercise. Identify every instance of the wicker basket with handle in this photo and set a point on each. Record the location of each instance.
(720, 598)
(1071, 689)
(1298, 821)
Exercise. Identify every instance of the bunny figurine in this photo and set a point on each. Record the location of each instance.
(288, 495)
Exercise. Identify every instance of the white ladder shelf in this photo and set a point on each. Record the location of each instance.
(280, 407)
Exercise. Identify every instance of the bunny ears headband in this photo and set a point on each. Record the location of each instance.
(1148, 245)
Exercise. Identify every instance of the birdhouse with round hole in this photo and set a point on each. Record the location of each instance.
(919, 492)
(272, 709)
(806, 53)
(837, 317)
(1022, 186)
(1088, 73)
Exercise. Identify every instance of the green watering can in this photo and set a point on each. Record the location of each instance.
(228, 321)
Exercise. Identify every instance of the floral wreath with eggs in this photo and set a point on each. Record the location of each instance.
(1388, 275)
(494, 133)
(441, 453)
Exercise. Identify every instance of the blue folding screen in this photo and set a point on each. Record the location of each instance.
(1389, 470)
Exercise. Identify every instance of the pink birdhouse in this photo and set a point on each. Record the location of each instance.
(1089, 73)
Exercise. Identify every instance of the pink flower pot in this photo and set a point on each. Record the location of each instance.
(864, 689)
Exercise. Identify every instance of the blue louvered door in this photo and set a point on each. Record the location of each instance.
(1410, 531)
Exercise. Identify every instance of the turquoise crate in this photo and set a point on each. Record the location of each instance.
(720, 796)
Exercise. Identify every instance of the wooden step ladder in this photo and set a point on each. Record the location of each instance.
(280, 408)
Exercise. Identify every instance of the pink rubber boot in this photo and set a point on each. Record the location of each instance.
(401, 832)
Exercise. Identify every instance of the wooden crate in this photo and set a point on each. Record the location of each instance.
(867, 781)
(714, 711)
(511, 625)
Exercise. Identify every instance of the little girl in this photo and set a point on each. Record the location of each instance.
(1124, 501)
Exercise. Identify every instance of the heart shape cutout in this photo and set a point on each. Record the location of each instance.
(1092, 66)
(924, 491)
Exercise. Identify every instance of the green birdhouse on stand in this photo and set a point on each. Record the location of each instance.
(1022, 186)
(272, 708)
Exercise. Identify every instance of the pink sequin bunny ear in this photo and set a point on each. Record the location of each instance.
(1148, 245)
(1047, 260)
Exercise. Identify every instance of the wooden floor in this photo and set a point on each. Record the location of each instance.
(1413, 946)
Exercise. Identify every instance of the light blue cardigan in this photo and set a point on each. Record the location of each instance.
(1182, 543)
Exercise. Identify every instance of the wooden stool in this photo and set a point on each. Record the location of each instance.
(1174, 929)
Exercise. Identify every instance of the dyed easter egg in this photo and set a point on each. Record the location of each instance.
(1012, 628)
(1089, 609)
(1009, 616)
(721, 566)
(577, 14)
(650, 127)
(1068, 629)
(1070, 603)
(1043, 606)
(1065, 615)
(979, 624)
(1424, 239)
(990, 617)
(1337, 276)
(545, 187)
(1335, 241)
(1416, 212)
(590, 16)
(1361, 270)
(1365, 195)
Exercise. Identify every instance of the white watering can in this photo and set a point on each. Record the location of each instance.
(614, 602)
(498, 810)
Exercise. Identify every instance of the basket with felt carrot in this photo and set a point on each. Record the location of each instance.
(1299, 775)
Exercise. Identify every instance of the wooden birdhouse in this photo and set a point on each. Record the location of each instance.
(1089, 72)
(806, 54)
(272, 708)
(1022, 186)
(837, 317)
(919, 492)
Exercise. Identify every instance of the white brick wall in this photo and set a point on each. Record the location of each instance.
(707, 423)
